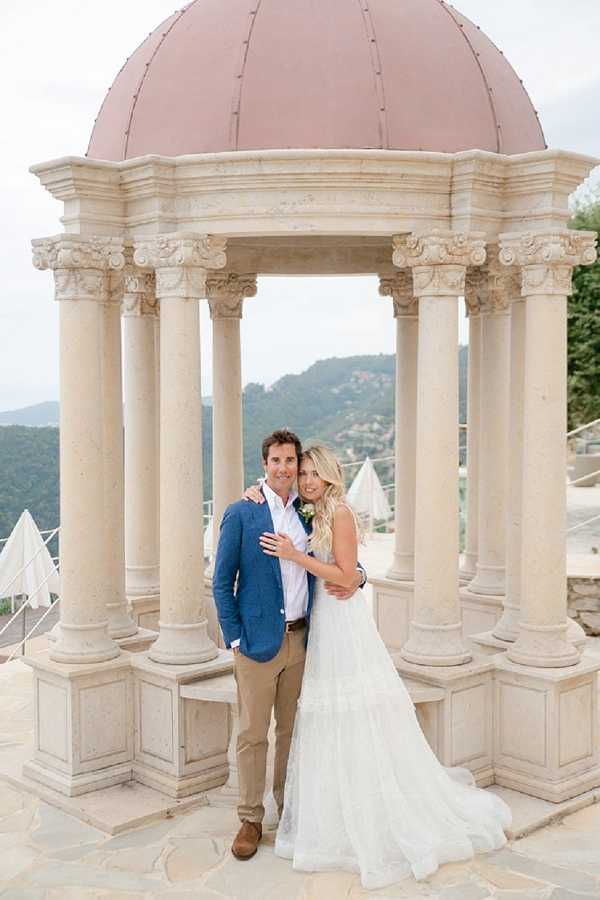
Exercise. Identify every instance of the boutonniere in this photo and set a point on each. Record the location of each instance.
(307, 511)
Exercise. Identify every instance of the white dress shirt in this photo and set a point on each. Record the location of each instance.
(294, 577)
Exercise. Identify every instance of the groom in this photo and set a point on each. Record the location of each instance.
(264, 607)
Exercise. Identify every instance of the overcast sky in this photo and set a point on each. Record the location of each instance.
(58, 59)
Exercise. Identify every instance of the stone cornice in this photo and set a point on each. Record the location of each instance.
(547, 258)
(439, 259)
(400, 288)
(226, 293)
(84, 267)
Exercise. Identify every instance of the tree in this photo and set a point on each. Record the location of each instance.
(584, 330)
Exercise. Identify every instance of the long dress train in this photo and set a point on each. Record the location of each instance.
(364, 791)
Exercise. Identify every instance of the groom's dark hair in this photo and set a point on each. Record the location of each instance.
(282, 436)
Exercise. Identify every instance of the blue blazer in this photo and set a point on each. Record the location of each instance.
(247, 584)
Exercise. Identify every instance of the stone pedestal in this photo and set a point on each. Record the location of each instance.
(460, 726)
(480, 612)
(83, 717)
(547, 742)
(181, 744)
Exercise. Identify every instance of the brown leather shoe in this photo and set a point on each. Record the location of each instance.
(247, 840)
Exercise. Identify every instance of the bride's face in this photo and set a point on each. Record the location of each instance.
(310, 486)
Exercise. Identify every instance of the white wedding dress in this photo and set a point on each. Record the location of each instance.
(364, 791)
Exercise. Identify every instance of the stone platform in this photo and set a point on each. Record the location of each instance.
(182, 850)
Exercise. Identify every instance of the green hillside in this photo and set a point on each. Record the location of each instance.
(347, 403)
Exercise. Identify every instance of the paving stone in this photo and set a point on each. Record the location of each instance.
(192, 858)
(15, 860)
(57, 830)
(211, 820)
(266, 877)
(11, 801)
(18, 893)
(141, 837)
(507, 881)
(72, 854)
(18, 821)
(329, 886)
(559, 877)
(467, 891)
(54, 874)
(140, 860)
(584, 819)
(561, 894)
(570, 847)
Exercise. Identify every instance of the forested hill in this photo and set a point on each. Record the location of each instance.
(347, 403)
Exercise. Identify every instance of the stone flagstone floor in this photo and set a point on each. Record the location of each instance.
(47, 854)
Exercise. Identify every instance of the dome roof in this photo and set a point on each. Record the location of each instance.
(277, 74)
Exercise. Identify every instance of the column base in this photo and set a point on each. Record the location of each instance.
(145, 609)
(480, 612)
(489, 580)
(546, 721)
(543, 646)
(507, 627)
(120, 623)
(83, 724)
(83, 644)
(392, 610)
(139, 642)
(436, 645)
(402, 568)
(181, 744)
(468, 568)
(183, 645)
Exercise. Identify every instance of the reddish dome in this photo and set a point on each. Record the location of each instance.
(277, 74)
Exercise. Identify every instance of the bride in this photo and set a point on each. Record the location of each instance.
(364, 791)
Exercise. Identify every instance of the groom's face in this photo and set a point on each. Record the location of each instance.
(281, 468)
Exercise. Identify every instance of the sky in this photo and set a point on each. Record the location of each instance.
(56, 63)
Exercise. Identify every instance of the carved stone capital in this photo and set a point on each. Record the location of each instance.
(491, 288)
(547, 258)
(226, 294)
(139, 296)
(439, 259)
(82, 266)
(181, 262)
(400, 288)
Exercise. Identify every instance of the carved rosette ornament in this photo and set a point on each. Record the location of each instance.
(226, 294)
(547, 258)
(400, 288)
(82, 265)
(439, 259)
(181, 262)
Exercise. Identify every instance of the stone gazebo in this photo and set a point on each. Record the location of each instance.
(300, 139)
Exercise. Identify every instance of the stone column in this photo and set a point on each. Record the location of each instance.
(406, 312)
(181, 262)
(547, 260)
(472, 291)
(507, 628)
(493, 431)
(438, 260)
(226, 296)
(140, 312)
(81, 272)
(120, 623)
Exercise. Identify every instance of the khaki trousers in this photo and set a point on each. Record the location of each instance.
(263, 687)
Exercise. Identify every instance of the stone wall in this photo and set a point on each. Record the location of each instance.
(584, 602)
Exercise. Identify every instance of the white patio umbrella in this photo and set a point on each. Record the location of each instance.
(366, 496)
(25, 553)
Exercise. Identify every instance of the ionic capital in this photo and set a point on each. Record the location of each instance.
(181, 262)
(82, 266)
(226, 294)
(400, 288)
(547, 258)
(439, 259)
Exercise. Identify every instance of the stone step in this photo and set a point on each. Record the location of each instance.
(223, 690)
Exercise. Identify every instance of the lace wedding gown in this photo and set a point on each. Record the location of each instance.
(364, 791)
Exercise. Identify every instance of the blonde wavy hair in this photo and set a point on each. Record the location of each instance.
(328, 469)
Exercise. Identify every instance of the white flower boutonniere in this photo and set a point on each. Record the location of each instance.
(307, 511)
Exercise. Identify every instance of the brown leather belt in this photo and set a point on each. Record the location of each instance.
(295, 625)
